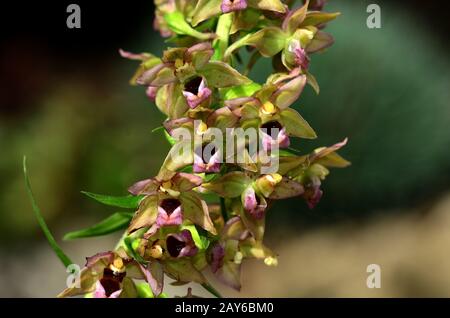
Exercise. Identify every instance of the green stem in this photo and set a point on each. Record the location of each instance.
(220, 44)
(212, 290)
(51, 240)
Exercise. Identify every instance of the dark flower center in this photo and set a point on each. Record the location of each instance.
(111, 281)
(270, 128)
(258, 200)
(169, 205)
(174, 246)
(192, 85)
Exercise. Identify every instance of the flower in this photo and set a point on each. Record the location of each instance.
(151, 92)
(107, 287)
(300, 57)
(310, 170)
(169, 200)
(254, 204)
(196, 91)
(169, 212)
(235, 245)
(313, 194)
(181, 244)
(110, 275)
(174, 232)
(277, 135)
(188, 73)
(207, 162)
(268, 110)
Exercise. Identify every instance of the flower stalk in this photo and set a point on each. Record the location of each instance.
(231, 156)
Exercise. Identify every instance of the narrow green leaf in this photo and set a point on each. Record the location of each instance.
(157, 129)
(127, 201)
(113, 223)
(168, 137)
(51, 240)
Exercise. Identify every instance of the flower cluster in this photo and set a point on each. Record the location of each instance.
(204, 211)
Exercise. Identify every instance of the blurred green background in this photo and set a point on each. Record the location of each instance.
(83, 127)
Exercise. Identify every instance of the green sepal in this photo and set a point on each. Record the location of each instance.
(176, 22)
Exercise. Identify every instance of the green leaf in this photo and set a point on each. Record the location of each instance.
(48, 235)
(245, 90)
(113, 223)
(219, 74)
(127, 202)
(176, 22)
